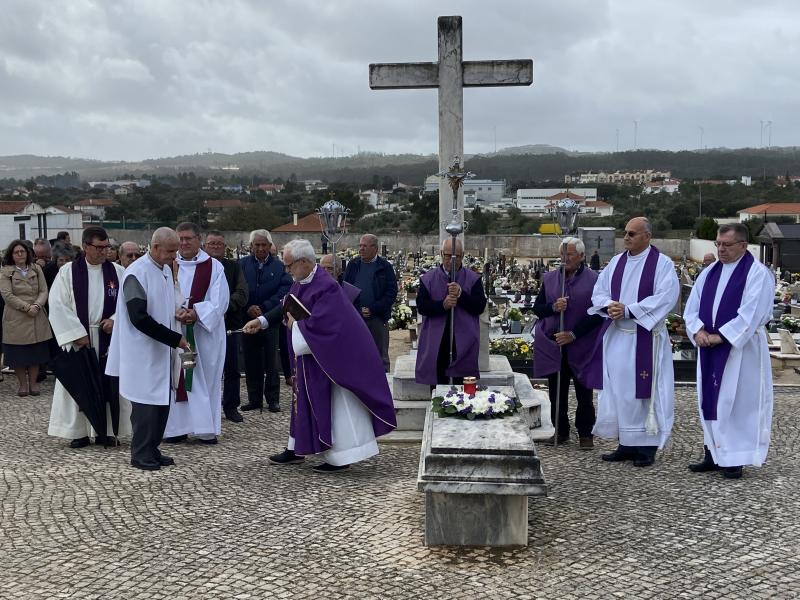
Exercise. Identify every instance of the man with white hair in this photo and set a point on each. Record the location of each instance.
(342, 401)
(267, 283)
(635, 292)
(570, 350)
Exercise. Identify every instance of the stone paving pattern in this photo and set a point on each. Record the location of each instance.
(224, 524)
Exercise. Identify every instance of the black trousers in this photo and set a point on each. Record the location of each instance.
(584, 413)
(231, 396)
(380, 333)
(261, 366)
(148, 423)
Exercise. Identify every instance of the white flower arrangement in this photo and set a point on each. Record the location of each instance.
(484, 403)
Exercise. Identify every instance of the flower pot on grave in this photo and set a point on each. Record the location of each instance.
(515, 327)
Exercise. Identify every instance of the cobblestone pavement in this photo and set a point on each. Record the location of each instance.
(223, 523)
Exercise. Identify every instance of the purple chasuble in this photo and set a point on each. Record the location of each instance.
(467, 330)
(644, 338)
(80, 291)
(581, 352)
(342, 352)
(713, 360)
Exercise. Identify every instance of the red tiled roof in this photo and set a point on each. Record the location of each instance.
(564, 195)
(308, 224)
(597, 204)
(64, 209)
(774, 208)
(12, 207)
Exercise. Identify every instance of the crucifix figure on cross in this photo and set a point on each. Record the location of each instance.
(450, 75)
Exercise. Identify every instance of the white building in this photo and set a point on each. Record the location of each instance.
(537, 200)
(128, 183)
(94, 208)
(20, 219)
(670, 186)
(482, 190)
(623, 177)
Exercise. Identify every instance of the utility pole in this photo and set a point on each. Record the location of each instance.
(761, 140)
(702, 131)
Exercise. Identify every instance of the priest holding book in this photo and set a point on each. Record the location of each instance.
(341, 398)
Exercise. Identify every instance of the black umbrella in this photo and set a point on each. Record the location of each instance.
(79, 372)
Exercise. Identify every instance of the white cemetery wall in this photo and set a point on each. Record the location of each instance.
(528, 246)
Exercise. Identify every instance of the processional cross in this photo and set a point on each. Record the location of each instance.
(450, 75)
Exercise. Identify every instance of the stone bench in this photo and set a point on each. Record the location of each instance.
(477, 476)
(782, 361)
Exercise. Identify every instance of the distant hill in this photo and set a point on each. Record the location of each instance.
(519, 166)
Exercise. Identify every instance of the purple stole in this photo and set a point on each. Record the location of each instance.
(580, 353)
(200, 283)
(80, 291)
(644, 338)
(343, 352)
(713, 360)
(466, 326)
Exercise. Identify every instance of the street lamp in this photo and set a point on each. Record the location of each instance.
(333, 219)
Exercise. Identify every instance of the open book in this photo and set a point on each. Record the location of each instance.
(293, 306)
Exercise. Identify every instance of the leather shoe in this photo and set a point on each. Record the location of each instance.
(145, 466)
(166, 461)
(176, 439)
(643, 462)
(586, 443)
(208, 441)
(109, 441)
(287, 457)
(251, 406)
(705, 465)
(79, 443)
(274, 407)
(326, 468)
(618, 455)
(732, 472)
(562, 439)
(234, 415)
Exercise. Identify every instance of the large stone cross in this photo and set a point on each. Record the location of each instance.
(451, 74)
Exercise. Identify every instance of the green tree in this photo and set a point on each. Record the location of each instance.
(706, 229)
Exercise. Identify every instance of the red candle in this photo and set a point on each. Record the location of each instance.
(470, 384)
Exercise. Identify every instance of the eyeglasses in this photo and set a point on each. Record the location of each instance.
(102, 247)
(728, 244)
(451, 256)
(289, 265)
(632, 233)
(130, 255)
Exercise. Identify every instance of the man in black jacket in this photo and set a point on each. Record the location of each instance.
(375, 277)
(231, 398)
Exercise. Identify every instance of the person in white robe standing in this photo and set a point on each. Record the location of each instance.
(198, 412)
(93, 293)
(635, 292)
(142, 351)
(725, 316)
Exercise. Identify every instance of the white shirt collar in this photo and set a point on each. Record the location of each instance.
(201, 256)
(309, 278)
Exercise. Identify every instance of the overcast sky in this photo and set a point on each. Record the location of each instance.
(149, 78)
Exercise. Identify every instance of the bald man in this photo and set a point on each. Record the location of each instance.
(436, 299)
(128, 252)
(634, 293)
(146, 331)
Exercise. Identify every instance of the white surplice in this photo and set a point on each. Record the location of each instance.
(352, 435)
(66, 420)
(740, 434)
(201, 415)
(620, 415)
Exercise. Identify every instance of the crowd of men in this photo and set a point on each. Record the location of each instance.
(185, 311)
